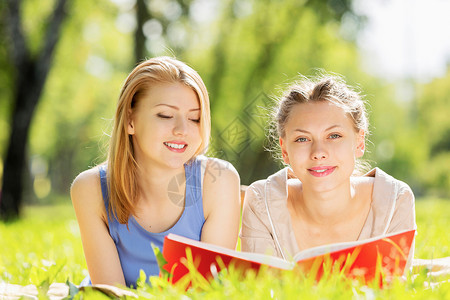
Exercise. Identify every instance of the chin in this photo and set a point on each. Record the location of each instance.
(324, 189)
(173, 164)
(176, 163)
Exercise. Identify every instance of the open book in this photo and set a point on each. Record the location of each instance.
(366, 259)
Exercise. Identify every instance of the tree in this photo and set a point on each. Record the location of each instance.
(30, 74)
(142, 15)
(162, 16)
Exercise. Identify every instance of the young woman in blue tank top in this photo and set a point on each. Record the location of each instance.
(155, 180)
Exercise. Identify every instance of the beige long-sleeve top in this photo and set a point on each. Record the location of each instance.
(266, 222)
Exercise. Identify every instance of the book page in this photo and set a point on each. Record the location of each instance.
(272, 261)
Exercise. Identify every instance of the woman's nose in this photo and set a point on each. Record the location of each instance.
(180, 127)
(319, 152)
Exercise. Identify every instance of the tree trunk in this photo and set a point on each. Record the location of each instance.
(30, 77)
(142, 16)
(25, 102)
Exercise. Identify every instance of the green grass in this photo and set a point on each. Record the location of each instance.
(45, 247)
(433, 224)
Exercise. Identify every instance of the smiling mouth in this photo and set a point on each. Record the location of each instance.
(175, 146)
(321, 171)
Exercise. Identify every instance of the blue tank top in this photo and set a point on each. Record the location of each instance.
(134, 243)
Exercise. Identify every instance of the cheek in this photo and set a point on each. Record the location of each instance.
(354, 152)
(298, 152)
(345, 150)
(195, 135)
(195, 130)
(155, 130)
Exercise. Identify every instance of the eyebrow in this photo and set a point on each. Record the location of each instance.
(306, 131)
(175, 107)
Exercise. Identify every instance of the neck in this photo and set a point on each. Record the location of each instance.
(154, 181)
(325, 208)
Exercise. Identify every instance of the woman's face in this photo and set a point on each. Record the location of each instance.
(321, 145)
(165, 125)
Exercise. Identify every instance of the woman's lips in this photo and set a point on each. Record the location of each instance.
(321, 171)
(178, 147)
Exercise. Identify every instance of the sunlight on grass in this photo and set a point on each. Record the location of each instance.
(45, 247)
(433, 222)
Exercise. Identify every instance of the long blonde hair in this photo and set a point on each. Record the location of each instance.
(122, 166)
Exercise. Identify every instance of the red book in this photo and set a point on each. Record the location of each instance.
(370, 259)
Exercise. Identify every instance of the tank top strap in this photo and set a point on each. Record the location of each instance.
(104, 185)
(194, 185)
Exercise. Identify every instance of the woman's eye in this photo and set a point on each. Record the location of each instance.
(301, 140)
(335, 136)
(195, 120)
(162, 116)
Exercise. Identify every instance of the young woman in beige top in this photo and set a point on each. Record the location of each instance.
(319, 198)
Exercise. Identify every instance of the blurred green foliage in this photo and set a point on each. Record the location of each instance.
(246, 52)
(433, 122)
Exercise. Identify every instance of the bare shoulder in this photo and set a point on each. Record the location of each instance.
(220, 173)
(221, 203)
(221, 186)
(86, 180)
(86, 189)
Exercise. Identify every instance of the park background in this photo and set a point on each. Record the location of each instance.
(72, 56)
(246, 52)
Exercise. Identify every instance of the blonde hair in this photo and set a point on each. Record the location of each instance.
(122, 166)
(324, 87)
